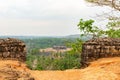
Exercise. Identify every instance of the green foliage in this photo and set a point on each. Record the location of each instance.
(87, 28)
(113, 29)
(34, 51)
(113, 24)
(44, 63)
(113, 33)
(69, 62)
(76, 46)
(66, 61)
(56, 61)
(40, 43)
(29, 61)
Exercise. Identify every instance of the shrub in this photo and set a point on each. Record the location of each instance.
(67, 61)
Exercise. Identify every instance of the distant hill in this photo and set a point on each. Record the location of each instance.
(35, 37)
(25, 37)
(80, 37)
(73, 36)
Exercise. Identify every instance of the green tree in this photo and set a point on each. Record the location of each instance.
(87, 28)
(76, 46)
(113, 29)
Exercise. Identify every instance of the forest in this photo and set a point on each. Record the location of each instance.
(55, 61)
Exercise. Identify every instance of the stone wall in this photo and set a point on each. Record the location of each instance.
(99, 48)
(12, 49)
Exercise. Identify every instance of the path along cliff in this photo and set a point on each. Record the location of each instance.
(102, 69)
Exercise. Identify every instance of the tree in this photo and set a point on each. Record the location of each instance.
(112, 3)
(87, 28)
(76, 46)
(113, 29)
(113, 26)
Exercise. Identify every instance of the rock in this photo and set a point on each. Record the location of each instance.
(12, 49)
(100, 48)
(14, 74)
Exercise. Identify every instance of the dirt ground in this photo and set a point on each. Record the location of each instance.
(102, 69)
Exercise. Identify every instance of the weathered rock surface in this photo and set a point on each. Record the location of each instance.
(14, 70)
(100, 48)
(12, 49)
(101, 69)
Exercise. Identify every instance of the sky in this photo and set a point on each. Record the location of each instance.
(44, 17)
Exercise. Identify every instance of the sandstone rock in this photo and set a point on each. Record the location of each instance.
(11, 73)
(12, 49)
(100, 48)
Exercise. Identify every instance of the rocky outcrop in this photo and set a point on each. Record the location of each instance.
(9, 73)
(14, 70)
(12, 49)
(100, 48)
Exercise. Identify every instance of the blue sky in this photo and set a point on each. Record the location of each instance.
(44, 17)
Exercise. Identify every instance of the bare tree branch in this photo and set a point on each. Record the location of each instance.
(116, 4)
(112, 3)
